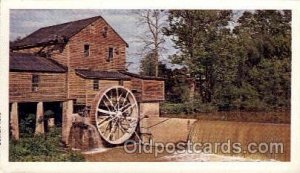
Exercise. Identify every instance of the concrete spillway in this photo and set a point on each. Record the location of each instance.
(244, 133)
(85, 137)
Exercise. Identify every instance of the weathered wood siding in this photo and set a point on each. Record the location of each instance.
(52, 87)
(72, 54)
(153, 90)
(91, 93)
(137, 85)
(127, 84)
(76, 88)
(61, 56)
(99, 47)
(148, 90)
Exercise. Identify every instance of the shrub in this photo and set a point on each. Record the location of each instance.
(204, 107)
(255, 105)
(172, 108)
(27, 125)
(48, 114)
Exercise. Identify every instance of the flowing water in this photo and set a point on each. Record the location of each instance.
(244, 133)
(118, 154)
(205, 131)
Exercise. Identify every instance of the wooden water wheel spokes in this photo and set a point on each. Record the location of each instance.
(116, 114)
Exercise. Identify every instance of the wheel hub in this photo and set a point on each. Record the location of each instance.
(119, 114)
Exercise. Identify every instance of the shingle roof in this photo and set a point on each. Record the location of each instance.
(95, 74)
(55, 34)
(141, 76)
(33, 63)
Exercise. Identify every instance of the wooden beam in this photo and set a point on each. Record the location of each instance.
(14, 121)
(67, 120)
(39, 126)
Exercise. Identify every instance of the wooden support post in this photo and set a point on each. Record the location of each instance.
(39, 126)
(67, 120)
(14, 121)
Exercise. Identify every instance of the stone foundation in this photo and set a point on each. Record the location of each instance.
(83, 135)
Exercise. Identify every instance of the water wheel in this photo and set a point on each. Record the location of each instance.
(116, 114)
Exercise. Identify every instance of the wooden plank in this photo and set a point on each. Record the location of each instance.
(153, 90)
(77, 87)
(52, 87)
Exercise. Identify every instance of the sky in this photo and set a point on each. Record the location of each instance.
(125, 22)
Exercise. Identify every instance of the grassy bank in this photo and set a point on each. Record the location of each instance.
(261, 117)
(208, 112)
(42, 148)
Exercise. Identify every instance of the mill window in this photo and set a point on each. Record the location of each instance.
(86, 50)
(96, 84)
(35, 83)
(110, 54)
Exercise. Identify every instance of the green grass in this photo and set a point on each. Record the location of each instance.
(42, 148)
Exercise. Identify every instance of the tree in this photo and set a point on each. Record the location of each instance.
(266, 36)
(148, 65)
(153, 38)
(246, 67)
(197, 33)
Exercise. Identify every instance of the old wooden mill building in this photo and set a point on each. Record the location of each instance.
(80, 66)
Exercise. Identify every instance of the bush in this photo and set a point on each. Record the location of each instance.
(27, 125)
(172, 108)
(255, 105)
(48, 114)
(200, 107)
(41, 148)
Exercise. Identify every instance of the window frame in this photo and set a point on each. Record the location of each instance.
(35, 82)
(95, 84)
(121, 82)
(110, 54)
(86, 50)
